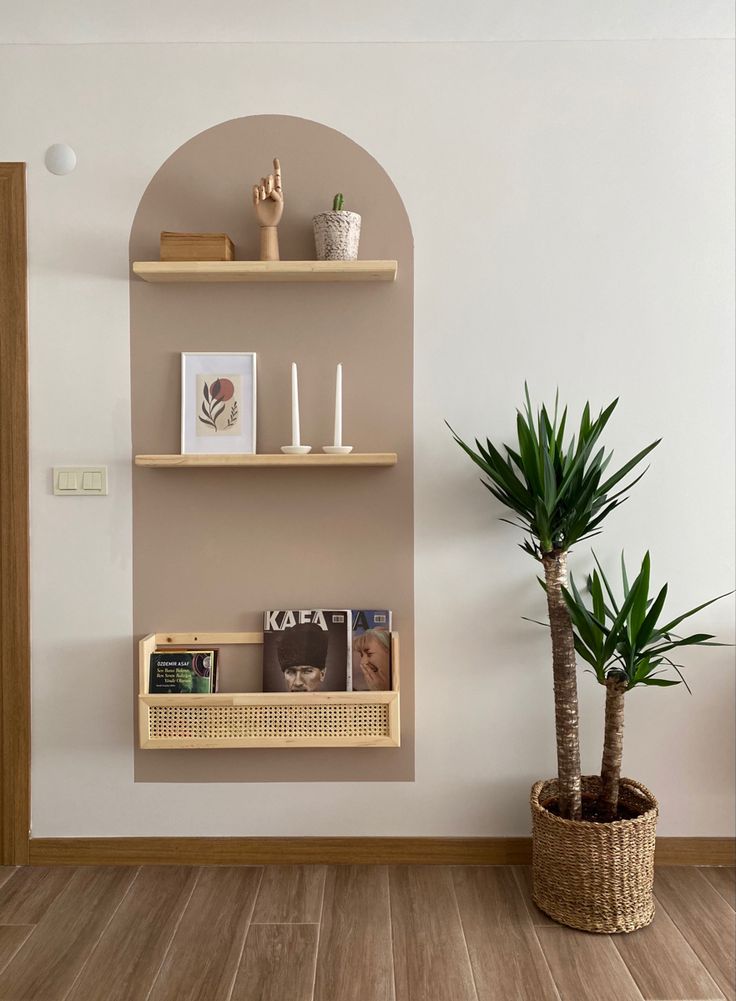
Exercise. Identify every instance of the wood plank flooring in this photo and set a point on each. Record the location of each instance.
(704, 919)
(505, 954)
(348, 933)
(355, 961)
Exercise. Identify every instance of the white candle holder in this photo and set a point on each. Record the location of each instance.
(337, 449)
(296, 449)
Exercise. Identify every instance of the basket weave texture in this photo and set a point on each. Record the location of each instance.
(592, 876)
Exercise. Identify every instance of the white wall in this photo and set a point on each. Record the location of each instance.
(95, 21)
(572, 206)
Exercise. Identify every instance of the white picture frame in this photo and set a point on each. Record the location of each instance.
(223, 421)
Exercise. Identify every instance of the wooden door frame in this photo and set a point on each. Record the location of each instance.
(15, 644)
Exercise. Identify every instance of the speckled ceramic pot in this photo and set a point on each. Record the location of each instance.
(336, 236)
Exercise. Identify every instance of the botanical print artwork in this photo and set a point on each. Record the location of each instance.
(219, 405)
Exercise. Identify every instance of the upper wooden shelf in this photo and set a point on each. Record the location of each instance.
(312, 459)
(266, 271)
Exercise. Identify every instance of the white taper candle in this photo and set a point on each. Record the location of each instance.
(294, 406)
(338, 406)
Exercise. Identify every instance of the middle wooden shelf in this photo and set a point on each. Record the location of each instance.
(311, 460)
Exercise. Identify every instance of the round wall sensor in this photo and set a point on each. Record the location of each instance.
(60, 159)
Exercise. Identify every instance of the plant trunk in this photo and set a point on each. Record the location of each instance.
(613, 749)
(565, 686)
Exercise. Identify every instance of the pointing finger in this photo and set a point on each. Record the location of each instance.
(277, 172)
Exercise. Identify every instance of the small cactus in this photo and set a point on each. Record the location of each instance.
(337, 203)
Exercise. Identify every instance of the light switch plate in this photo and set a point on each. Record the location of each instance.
(80, 481)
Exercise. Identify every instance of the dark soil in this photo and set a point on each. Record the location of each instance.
(592, 813)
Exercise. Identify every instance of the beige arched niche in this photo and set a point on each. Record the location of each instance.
(212, 548)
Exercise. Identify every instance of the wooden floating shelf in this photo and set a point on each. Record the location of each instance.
(258, 719)
(277, 459)
(266, 271)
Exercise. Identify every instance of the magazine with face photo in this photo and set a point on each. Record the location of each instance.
(307, 650)
(371, 650)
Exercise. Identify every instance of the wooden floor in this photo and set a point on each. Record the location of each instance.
(347, 933)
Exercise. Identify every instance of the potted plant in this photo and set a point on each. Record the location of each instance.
(558, 492)
(337, 233)
(598, 874)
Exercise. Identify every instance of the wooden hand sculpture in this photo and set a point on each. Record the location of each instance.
(268, 199)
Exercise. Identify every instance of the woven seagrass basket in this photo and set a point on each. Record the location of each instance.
(593, 876)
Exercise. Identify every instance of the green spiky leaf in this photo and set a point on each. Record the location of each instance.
(555, 486)
(624, 640)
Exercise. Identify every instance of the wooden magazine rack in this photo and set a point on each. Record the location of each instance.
(260, 719)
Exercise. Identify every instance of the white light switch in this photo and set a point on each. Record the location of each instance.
(80, 481)
(67, 480)
(92, 482)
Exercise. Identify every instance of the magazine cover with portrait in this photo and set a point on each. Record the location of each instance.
(307, 651)
(371, 670)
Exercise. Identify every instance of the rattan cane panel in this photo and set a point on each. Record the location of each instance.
(258, 722)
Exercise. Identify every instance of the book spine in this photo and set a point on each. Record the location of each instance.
(349, 651)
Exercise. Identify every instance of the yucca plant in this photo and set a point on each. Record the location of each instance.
(557, 490)
(626, 646)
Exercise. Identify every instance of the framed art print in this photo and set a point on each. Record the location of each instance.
(218, 403)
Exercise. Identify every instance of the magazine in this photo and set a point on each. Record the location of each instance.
(371, 650)
(307, 650)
